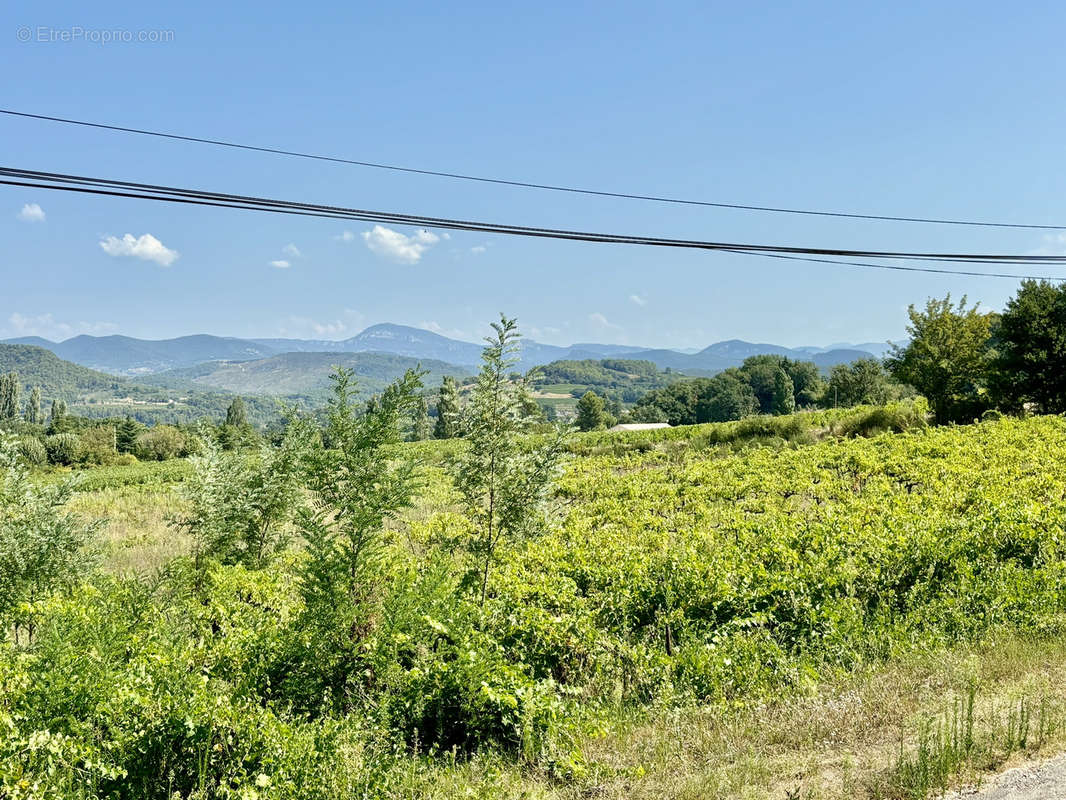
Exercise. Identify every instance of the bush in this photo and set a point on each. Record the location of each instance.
(893, 418)
(32, 451)
(63, 448)
(97, 445)
(160, 443)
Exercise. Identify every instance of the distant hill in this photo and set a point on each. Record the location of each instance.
(91, 393)
(561, 383)
(124, 355)
(301, 375)
(56, 377)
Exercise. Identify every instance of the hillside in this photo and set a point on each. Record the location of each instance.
(560, 383)
(91, 393)
(301, 375)
(56, 377)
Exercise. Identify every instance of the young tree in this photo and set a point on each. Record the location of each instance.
(238, 505)
(126, 433)
(33, 410)
(947, 359)
(357, 484)
(502, 479)
(591, 412)
(1030, 363)
(447, 425)
(271, 493)
(10, 392)
(43, 547)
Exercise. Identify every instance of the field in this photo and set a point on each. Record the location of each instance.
(767, 608)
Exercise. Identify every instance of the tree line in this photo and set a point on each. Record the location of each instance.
(963, 360)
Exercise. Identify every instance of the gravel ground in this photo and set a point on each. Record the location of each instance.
(1044, 780)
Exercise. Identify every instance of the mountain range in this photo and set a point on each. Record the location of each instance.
(128, 356)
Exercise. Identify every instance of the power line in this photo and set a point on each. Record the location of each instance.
(529, 184)
(115, 188)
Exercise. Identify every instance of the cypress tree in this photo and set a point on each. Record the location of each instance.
(447, 425)
(59, 422)
(237, 414)
(10, 391)
(33, 411)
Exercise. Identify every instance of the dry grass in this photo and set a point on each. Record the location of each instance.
(840, 742)
(135, 539)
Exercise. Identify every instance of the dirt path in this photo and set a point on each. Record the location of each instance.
(1045, 780)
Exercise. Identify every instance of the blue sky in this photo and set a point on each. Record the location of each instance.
(946, 109)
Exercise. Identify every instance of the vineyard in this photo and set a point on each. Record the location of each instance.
(709, 569)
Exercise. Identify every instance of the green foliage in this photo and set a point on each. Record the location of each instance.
(420, 430)
(240, 507)
(622, 379)
(357, 484)
(34, 415)
(1030, 362)
(947, 359)
(32, 451)
(502, 480)
(160, 443)
(237, 413)
(784, 397)
(862, 382)
(10, 391)
(678, 571)
(126, 433)
(768, 384)
(42, 547)
(58, 422)
(727, 397)
(63, 448)
(591, 413)
(447, 425)
(96, 445)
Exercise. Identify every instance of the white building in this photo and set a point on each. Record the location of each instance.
(640, 426)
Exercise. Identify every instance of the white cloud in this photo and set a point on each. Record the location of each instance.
(397, 246)
(280, 264)
(47, 326)
(640, 300)
(292, 251)
(31, 212)
(1054, 245)
(347, 236)
(308, 328)
(478, 249)
(451, 333)
(145, 247)
(600, 321)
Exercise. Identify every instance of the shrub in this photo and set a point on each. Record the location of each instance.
(63, 448)
(160, 443)
(32, 451)
(97, 445)
(893, 418)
